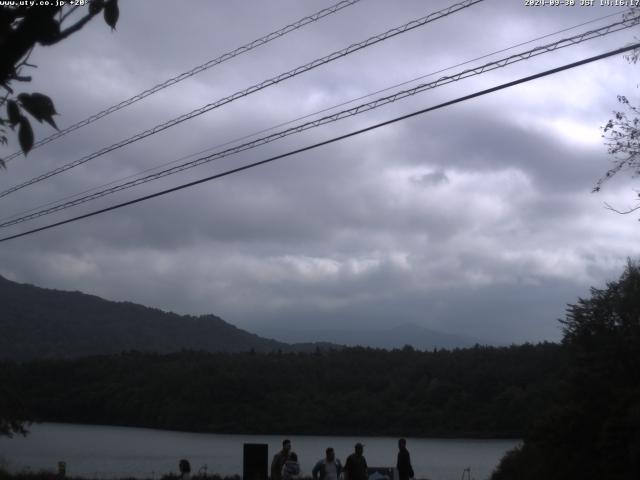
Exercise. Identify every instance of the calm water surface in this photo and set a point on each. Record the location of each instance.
(101, 451)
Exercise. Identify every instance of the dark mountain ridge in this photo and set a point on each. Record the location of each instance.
(44, 323)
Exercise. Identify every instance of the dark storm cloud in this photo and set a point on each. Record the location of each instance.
(432, 178)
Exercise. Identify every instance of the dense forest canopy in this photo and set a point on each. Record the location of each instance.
(482, 391)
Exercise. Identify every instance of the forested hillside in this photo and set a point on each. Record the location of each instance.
(482, 391)
(591, 431)
(42, 323)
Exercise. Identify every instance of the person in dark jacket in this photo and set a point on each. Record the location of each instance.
(356, 466)
(405, 470)
(279, 460)
(328, 468)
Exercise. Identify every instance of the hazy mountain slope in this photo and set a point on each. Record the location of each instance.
(407, 334)
(42, 323)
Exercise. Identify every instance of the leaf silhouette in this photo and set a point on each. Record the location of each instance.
(40, 106)
(13, 112)
(25, 134)
(111, 13)
(95, 6)
(47, 30)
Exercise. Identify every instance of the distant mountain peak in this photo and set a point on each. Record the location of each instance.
(409, 333)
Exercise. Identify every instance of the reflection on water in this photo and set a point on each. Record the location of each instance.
(100, 451)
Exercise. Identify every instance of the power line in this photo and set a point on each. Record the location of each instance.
(255, 88)
(501, 63)
(194, 71)
(289, 122)
(309, 115)
(331, 140)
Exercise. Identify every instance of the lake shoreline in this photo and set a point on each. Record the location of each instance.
(115, 452)
(434, 436)
(51, 474)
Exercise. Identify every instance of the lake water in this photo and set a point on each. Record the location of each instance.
(101, 452)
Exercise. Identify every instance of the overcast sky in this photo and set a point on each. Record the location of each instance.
(475, 219)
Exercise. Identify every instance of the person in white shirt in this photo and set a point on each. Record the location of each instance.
(328, 468)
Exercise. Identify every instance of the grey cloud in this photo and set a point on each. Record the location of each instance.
(470, 219)
(432, 178)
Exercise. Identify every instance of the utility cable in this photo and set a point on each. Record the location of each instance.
(194, 71)
(255, 88)
(334, 117)
(331, 140)
(309, 115)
